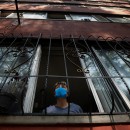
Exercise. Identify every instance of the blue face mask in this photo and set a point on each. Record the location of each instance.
(61, 92)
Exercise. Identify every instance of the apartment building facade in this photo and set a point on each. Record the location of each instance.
(85, 43)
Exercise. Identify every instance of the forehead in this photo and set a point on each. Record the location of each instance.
(61, 83)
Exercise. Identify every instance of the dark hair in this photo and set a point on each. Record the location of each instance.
(61, 82)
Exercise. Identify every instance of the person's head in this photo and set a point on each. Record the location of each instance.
(61, 89)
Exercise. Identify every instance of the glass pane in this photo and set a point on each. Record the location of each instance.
(83, 17)
(121, 20)
(68, 17)
(110, 63)
(100, 84)
(29, 15)
(14, 63)
(101, 18)
(34, 15)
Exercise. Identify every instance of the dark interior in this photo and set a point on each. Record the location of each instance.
(79, 91)
(55, 16)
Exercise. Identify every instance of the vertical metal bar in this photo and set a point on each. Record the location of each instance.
(121, 46)
(113, 66)
(3, 40)
(111, 80)
(34, 52)
(6, 52)
(27, 76)
(113, 104)
(47, 69)
(12, 66)
(92, 87)
(118, 53)
(17, 10)
(66, 73)
(32, 82)
(100, 69)
(90, 112)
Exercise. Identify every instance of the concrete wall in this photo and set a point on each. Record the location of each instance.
(66, 28)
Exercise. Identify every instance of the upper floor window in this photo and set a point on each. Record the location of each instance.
(66, 16)
(82, 17)
(28, 15)
(119, 19)
(4, 14)
(55, 16)
(100, 18)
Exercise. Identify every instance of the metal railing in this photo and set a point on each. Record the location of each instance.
(17, 47)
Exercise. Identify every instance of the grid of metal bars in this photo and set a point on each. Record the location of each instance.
(115, 45)
(19, 50)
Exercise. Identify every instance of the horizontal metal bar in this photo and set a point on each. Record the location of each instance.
(78, 114)
(61, 76)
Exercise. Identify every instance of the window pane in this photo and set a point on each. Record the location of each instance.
(68, 17)
(28, 15)
(83, 17)
(100, 18)
(34, 15)
(55, 16)
(117, 19)
(102, 86)
(108, 63)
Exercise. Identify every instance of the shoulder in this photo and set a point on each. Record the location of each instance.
(76, 107)
(50, 108)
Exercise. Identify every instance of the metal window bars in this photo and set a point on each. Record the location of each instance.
(16, 60)
(104, 64)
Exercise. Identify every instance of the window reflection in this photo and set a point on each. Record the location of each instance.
(109, 62)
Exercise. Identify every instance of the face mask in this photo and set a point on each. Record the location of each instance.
(61, 92)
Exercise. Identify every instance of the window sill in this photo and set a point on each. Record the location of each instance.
(53, 120)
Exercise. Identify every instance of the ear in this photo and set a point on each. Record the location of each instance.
(54, 92)
(67, 93)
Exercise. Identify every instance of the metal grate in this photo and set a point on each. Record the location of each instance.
(103, 64)
(16, 57)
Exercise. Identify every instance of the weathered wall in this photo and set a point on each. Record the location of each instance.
(7, 6)
(66, 28)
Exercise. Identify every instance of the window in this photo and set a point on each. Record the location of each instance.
(4, 14)
(86, 59)
(65, 16)
(100, 18)
(97, 73)
(82, 17)
(16, 60)
(28, 15)
(119, 19)
(112, 64)
(55, 16)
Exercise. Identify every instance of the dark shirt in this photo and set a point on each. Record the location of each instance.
(74, 108)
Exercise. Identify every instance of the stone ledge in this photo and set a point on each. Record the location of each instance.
(45, 120)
